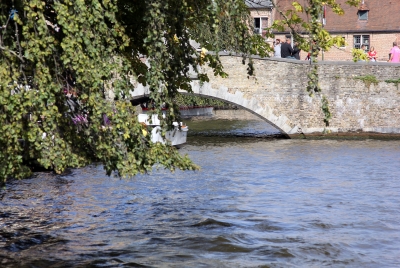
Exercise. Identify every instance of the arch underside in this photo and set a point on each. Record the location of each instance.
(242, 107)
(251, 105)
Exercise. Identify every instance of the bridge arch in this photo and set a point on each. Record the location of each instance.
(139, 99)
(250, 104)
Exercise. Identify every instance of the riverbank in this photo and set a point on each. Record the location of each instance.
(244, 115)
(347, 136)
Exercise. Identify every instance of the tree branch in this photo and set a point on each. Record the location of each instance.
(5, 28)
(21, 67)
(13, 52)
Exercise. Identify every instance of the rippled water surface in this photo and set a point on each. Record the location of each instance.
(255, 203)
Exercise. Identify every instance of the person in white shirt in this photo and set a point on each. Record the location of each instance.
(277, 48)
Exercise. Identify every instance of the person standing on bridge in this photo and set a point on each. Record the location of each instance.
(395, 53)
(372, 54)
(286, 49)
(296, 51)
(277, 48)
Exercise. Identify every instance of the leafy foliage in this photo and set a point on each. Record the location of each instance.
(189, 100)
(393, 81)
(359, 55)
(325, 110)
(231, 30)
(368, 79)
(67, 69)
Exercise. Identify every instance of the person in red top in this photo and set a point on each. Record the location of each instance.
(372, 54)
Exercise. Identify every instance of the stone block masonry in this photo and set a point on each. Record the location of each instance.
(277, 93)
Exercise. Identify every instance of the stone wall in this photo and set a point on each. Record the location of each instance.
(239, 114)
(277, 94)
(230, 114)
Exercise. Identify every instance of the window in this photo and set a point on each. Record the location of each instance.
(260, 24)
(360, 40)
(363, 14)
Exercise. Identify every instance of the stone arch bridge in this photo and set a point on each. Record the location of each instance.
(277, 93)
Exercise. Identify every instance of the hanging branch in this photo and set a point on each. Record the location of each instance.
(13, 52)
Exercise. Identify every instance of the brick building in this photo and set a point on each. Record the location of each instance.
(374, 23)
(261, 11)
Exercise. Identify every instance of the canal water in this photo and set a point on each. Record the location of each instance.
(256, 202)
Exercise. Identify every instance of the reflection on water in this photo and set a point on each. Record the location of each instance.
(232, 128)
(254, 203)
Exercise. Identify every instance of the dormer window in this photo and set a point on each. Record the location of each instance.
(363, 11)
(363, 14)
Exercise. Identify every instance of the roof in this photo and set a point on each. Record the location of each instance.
(363, 7)
(258, 4)
(383, 16)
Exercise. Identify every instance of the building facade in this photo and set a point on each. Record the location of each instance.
(375, 23)
(261, 11)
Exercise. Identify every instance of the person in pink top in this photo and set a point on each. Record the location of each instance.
(394, 53)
